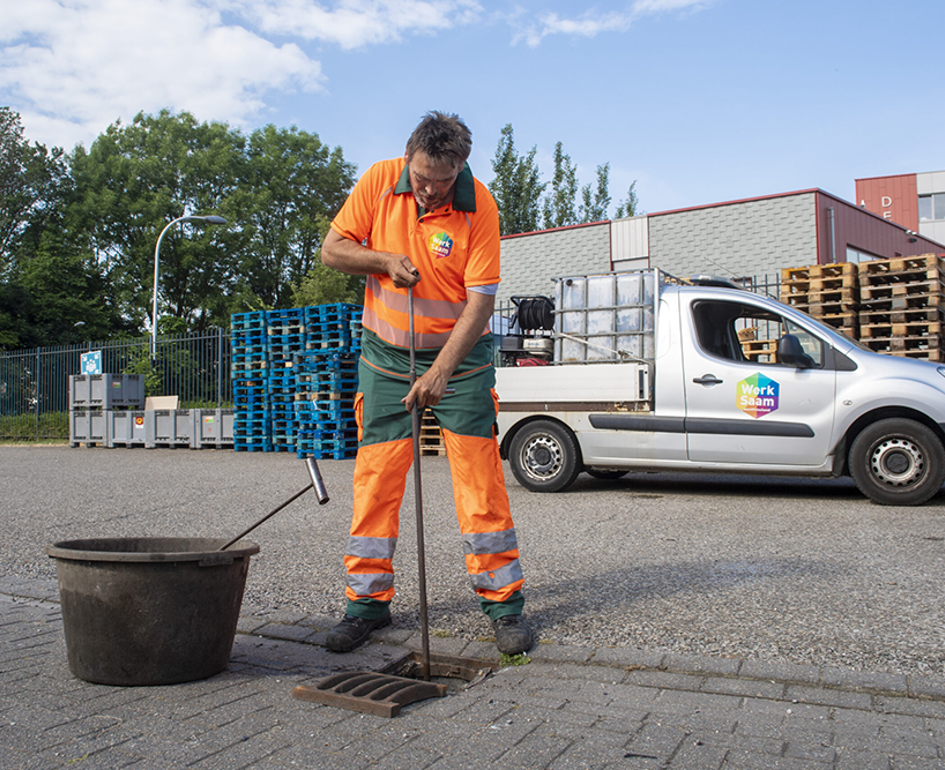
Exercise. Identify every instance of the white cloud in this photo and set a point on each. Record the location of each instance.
(72, 67)
(592, 23)
(355, 23)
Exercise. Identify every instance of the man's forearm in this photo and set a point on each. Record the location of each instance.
(346, 255)
(466, 333)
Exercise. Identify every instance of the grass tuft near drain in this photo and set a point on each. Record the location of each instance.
(520, 659)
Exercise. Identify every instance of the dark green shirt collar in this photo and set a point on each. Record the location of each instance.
(464, 196)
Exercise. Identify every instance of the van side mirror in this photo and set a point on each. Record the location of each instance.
(791, 353)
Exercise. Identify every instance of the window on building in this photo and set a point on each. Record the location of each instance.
(931, 207)
(858, 255)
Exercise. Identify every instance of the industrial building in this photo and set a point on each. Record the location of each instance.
(915, 201)
(754, 239)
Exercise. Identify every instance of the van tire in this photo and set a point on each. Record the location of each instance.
(545, 457)
(897, 461)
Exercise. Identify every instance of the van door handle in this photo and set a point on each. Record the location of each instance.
(707, 379)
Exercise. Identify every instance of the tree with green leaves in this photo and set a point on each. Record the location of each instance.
(31, 185)
(49, 283)
(294, 187)
(130, 184)
(273, 188)
(559, 209)
(515, 186)
(520, 195)
(596, 202)
(630, 207)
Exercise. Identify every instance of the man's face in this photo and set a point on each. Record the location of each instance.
(432, 183)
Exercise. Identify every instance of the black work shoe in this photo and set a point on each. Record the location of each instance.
(352, 631)
(512, 634)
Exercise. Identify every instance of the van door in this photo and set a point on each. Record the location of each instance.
(742, 404)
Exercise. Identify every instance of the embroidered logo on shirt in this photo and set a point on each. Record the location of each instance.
(441, 245)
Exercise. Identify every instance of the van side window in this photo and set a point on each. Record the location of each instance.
(741, 332)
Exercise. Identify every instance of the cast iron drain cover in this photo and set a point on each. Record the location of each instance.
(369, 692)
(398, 684)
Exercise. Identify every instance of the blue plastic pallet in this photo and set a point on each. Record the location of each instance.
(249, 343)
(248, 321)
(287, 314)
(246, 370)
(252, 446)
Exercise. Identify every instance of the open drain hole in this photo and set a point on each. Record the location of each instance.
(384, 692)
(453, 672)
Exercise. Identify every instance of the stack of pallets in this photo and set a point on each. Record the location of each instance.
(287, 333)
(431, 437)
(250, 374)
(327, 373)
(901, 303)
(829, 293)
(294, 380)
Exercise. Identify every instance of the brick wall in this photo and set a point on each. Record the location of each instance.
(530, 261)
(750, 238)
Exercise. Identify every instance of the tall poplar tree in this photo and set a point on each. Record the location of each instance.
(559, 208)
(516, 186)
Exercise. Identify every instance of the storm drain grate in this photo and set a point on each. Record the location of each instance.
(398, 684)
(369, 692)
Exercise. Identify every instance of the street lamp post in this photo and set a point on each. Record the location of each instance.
(210, 220)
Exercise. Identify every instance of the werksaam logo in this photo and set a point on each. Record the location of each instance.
(757, 395)
(441, 245)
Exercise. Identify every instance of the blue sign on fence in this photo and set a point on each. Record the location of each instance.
(92, 362)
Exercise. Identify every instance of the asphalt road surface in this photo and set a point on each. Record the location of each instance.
(780, 570)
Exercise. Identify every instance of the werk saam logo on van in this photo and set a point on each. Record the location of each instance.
(441, 245)
(757, 395)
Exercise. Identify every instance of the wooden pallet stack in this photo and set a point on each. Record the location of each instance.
(431, 437)
(760, 351)
(901, 306)
(829, 293)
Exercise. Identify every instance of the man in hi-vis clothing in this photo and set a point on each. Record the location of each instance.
(424, 221)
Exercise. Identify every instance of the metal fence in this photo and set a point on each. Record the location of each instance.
(34, 384)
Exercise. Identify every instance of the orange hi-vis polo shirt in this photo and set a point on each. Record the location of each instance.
(453, 247)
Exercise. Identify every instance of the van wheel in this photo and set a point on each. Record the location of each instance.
(545, 457)
(897, 462)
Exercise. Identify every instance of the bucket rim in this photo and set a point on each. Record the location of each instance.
(135, 549)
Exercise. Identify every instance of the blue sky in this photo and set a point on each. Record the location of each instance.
(699, 101)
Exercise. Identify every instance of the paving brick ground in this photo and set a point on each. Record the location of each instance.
(570, 707)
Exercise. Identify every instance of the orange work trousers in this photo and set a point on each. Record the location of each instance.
(385, 454)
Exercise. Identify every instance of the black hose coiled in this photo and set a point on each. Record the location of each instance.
(536, 314)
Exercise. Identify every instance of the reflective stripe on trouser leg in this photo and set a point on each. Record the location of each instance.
(482, 508)
(385, 454)
(379, 478)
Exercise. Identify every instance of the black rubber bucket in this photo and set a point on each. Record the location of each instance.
(150, 611)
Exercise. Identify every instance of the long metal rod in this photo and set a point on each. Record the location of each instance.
(418, 496)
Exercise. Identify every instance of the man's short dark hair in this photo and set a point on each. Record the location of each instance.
(443, 138)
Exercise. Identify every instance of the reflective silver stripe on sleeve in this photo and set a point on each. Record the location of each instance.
(490, 542)
(372, 547)
(502, 577)
(365, 585)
